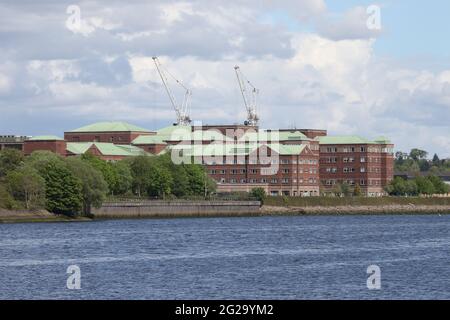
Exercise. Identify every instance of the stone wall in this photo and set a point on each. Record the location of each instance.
(159, 208)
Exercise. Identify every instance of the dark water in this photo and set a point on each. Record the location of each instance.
(229, 258)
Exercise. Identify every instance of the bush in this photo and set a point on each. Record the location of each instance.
(259, 194)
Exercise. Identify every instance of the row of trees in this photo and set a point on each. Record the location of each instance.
(76, 184)
(429, 185)
(416, 161)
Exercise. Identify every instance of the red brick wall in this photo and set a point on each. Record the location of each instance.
(58, 147)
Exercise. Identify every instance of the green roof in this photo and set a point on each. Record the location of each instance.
(226, 149)
(106, 149)
(343, 140)
(274, 135)
(146, 139)
(116, 126)
(46, 138)
(351, 140)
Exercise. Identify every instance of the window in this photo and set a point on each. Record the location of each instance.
(363, 159)
(263, 180)
(284, 161)
(362, 149)
(254, 171)
(274, 181)
(213, 172)
(363, 169)
(234, 171)
(222, 180)
(253, 181)
(223, 171)
(243, 181)
(233, 181)
(285, 181)
(362, 182)
(285, 170)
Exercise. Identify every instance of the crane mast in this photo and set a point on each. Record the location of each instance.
(182, 111)
(250, 98)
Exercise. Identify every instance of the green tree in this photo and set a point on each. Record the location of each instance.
(6, 200)
(94, 187)
(110, 175)
(440, 187)
(123, 178)
(425, 186)
(259, 194)
(159, 181)
(10, 159)
(63, 189)
(140, 168)
(25, 184)
(417, 154)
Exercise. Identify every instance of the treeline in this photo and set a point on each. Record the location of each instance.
(429, 185)
(417, 161)
(73, 185)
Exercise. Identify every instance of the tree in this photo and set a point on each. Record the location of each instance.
(159, 181)
(63, 189)
(345, 189)
(107, 170)
(94, 187)
(123, 178)
(436, 159)
(259, 194)
(425, 186)
(440, 187)
(6, 200)
(140, 167)
(25, 184)
(417, 154)
(10, 159)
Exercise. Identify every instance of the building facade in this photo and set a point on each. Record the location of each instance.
(291, 162)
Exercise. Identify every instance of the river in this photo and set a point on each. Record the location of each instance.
(311, 257)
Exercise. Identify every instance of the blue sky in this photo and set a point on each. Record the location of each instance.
(315, 62)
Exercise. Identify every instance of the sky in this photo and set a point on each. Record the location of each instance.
(335, 65)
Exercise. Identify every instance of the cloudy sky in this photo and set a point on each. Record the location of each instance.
(316, 62)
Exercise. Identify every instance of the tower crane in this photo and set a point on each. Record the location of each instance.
(250, 98)
(182, 110)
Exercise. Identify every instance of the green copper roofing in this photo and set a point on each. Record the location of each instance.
(343, 140)
(116, 126)
(46, 138)
(382, 140)
(351, 140)
(274, 136)
(106, 149)
(145, 139)
(227, 149)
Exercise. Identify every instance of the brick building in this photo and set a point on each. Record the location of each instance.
(295, 162)
(49, 143)
(356, 161)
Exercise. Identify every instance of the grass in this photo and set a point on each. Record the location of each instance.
(352, 201)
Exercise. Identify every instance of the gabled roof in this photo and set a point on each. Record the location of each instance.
(113, 126)
(46, 138)
(106, 149)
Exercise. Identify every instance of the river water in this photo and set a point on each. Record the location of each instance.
(229, 258)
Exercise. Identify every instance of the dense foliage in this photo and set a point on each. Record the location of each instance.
(416, 161)
(74, 185)
(418, 186)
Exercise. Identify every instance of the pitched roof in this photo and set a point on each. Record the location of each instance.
(46, 138)
(113, 126)
(106, 149)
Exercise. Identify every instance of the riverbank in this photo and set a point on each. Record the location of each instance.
(22, 216)
(355, 210)
(192, 209)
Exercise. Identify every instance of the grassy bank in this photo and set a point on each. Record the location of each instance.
(16, 216)
(353, 201)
